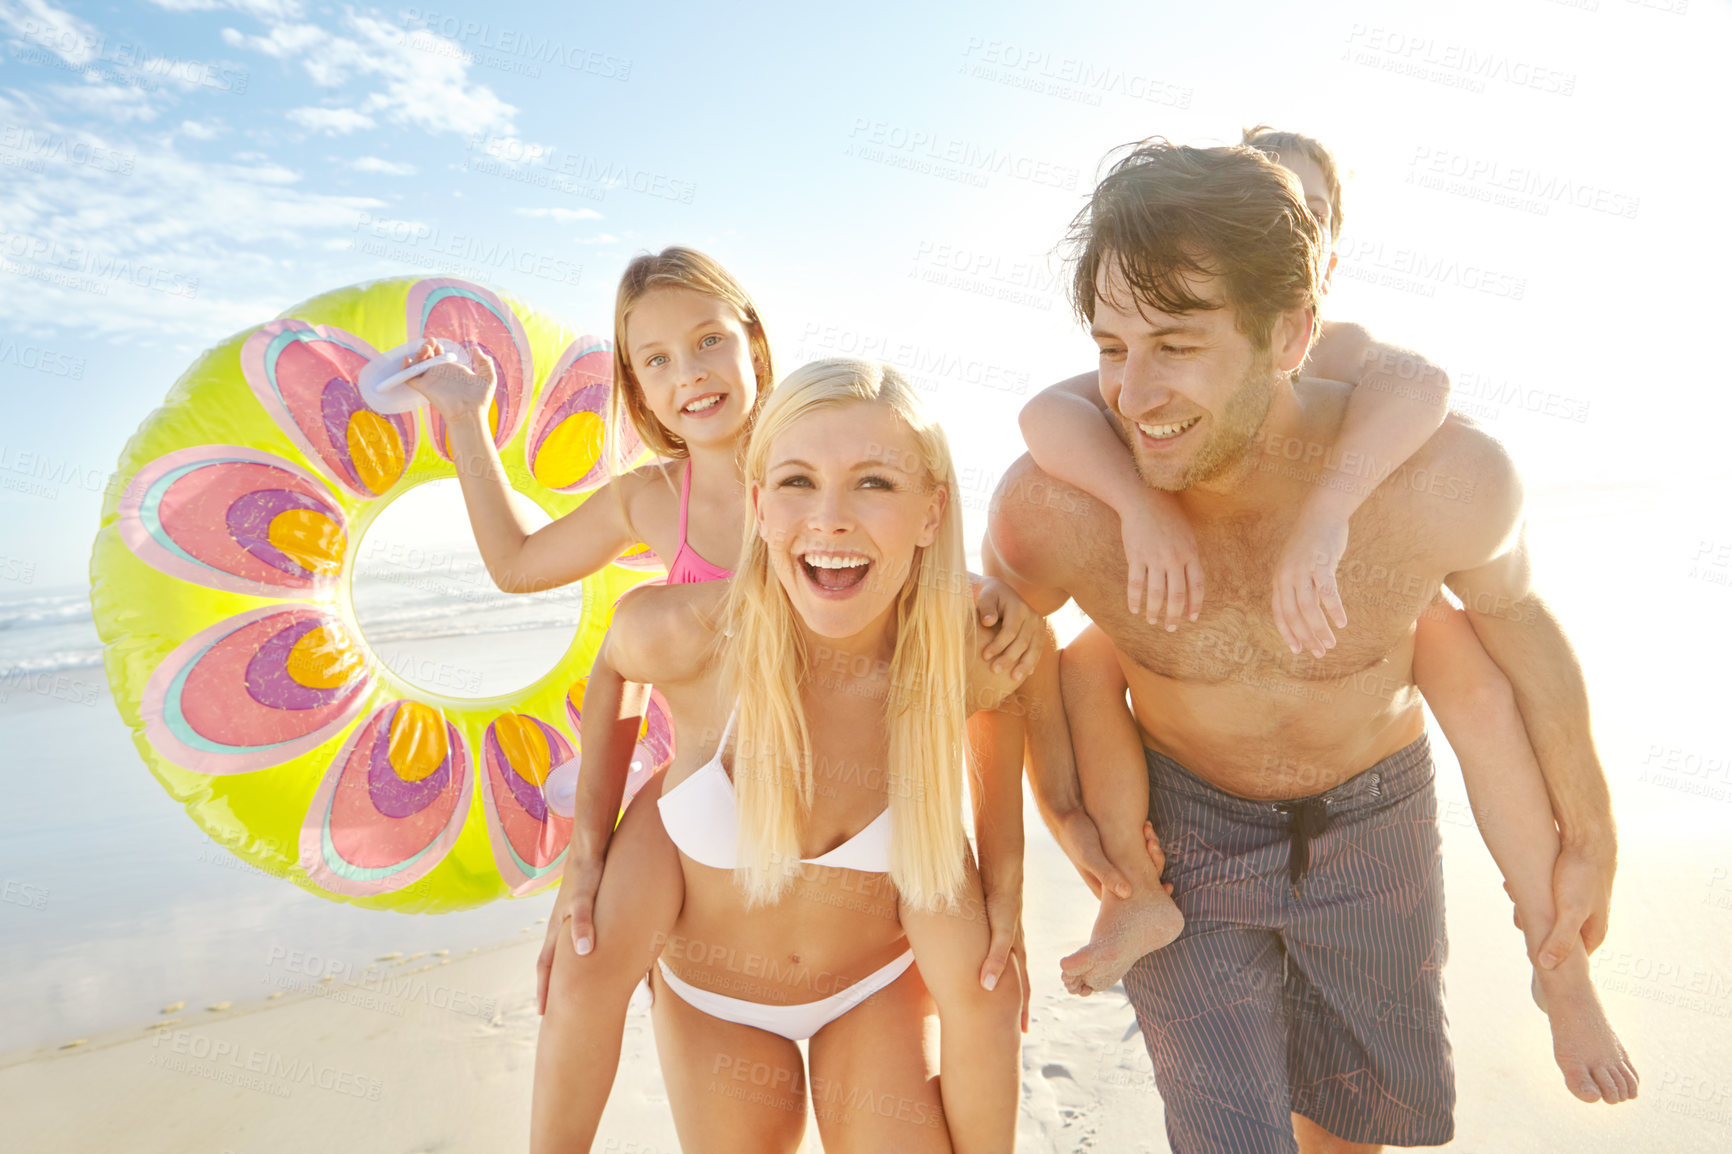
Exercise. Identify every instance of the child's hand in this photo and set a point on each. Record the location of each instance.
(1305, 587)
(1162, 553)
(452, 389)
(1016, 644)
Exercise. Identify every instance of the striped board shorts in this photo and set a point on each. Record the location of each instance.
(1309, 976)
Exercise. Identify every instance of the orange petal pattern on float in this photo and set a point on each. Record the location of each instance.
(235, 519)
(518, 753)
(254, 690)
(465, 313)
(305, 377)
(392, 804)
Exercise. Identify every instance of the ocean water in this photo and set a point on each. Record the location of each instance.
(115, 904)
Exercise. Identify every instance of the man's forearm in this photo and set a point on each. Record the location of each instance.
(1529, 645)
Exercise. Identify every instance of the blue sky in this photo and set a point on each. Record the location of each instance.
(1537, 192)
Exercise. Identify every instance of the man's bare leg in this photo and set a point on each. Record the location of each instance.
(1314, 1139)
(1475, 706)
(1115, 788)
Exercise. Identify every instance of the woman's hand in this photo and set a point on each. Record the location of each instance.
(450, 388)
(1016, 644)
(1305, 587)
(1161, 551)
(573, 912)
(1004, 917)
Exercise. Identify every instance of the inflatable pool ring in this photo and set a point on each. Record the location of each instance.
(221, 589)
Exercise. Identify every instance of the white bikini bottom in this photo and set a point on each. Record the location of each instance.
(795, 1022)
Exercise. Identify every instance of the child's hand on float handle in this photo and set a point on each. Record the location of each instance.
(450, 388)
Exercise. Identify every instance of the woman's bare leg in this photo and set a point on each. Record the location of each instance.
(734, 1089)
(577, 1053)
(1474, 704)
(980, 1042)
(875, 1074)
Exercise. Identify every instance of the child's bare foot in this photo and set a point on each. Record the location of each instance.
(1595, 1066)
(1125, 930)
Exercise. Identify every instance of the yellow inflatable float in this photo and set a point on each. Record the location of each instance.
(221, 588)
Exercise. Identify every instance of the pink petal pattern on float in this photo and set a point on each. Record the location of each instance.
(518, 753)
(567, 444)
(461, 311)
(234, 519)
(305, 376)
(255, 690)
(392, 804)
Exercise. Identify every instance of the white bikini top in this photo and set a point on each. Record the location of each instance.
(703, 820)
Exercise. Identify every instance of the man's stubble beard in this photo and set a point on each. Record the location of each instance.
(1234, 434)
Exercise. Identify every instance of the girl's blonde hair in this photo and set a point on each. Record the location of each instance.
(767, 666)
(674, 268)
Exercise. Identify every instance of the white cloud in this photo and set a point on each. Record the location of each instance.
(604, 238)
(285, 40)
(428, 89)
(263, 9)
(125, 233)
(562, 215)
(336, 121)
(62, 33)
(423, 79)
(118, 102)
(196, 131)
(384, 167)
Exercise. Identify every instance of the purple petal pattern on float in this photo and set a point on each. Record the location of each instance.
(305, 377)
(255, 690)
(392, 804)
(529, 837)
(234, 519)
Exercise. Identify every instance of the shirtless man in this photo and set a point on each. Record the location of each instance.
(1301, 1008)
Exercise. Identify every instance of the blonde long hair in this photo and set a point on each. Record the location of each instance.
(767, 665)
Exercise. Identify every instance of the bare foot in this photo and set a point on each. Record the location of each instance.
(1126, 929)
(1595, 1066)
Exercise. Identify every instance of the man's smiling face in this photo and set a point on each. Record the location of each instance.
(1189, 389)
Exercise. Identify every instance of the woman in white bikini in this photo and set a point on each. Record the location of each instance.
(822, 886)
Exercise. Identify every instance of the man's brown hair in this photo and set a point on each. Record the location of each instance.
(1167, 215)
(1266, 139)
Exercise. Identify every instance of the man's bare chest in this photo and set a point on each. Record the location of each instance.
(1384, 580)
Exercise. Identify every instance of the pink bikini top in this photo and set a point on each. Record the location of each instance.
(688, 566)
(703, 820)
